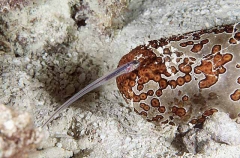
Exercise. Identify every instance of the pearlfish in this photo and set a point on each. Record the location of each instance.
(125, 68)
(185, 78)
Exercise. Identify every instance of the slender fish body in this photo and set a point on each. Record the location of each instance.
(125, 68)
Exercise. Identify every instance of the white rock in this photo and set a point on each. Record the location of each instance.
(223, 129)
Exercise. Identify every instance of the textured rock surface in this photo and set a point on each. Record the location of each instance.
(18, 136)
(216, 133)
(45, 49)
(53, 152)
(195, 139)
(181, 78)
(223, 129)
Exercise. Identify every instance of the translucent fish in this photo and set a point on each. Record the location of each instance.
(125, 68)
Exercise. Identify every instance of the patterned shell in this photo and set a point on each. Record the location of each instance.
(185, 78)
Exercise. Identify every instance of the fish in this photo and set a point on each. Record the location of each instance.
(125, 68)
(185, 78)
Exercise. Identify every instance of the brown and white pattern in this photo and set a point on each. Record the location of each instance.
(185, 78)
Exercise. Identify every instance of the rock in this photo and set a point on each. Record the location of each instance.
(17, 133)
(223, 129)
(217, 130)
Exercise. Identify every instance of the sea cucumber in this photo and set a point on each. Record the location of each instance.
(185, 78)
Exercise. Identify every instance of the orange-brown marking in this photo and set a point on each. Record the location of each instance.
(133, 76)
(174, 109)
(157, 118)
(216, 48)
(196, 36)
(144, 106)
(209, 112)
(143, 113)
(143, 96)
(166, 51)
(157, 78)
(140, 87)
(212, 70)
(163, 83)
(162, 109)
(180, 112)
(150, 92)
(180, 81)
(179, 93)
(221, 70)
(185, 98)
(232, 41)
(155, 102)
(172, 123)
(187, 78)
(158, 92)
(196, 48)
(236, 95)
(184, 44)
(237, 36)
(136, 98)
(228, 29)
(193, 121)
(212, 95)
(190, 42)
(132, 83)
(205, 41)
(140, 81)
(185, 68)
(238, 65)
(238, 80)
(165, 122)
(173, 69)
(173, 84)
(201, 120)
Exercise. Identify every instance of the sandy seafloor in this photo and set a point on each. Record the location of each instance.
(46, 58)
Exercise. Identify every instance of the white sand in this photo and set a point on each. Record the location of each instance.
(55, 60)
